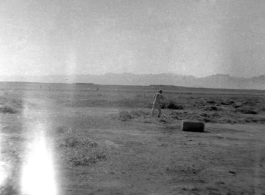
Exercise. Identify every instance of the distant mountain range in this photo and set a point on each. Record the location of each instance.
(214, 81)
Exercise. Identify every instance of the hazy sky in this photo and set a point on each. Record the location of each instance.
(191, 37)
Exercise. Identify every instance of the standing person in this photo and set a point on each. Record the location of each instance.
(156, 103)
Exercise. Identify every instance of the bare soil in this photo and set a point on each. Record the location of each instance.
(107, 143)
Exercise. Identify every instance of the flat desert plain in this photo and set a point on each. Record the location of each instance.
(70, 139)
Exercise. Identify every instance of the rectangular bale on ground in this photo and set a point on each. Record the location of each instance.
(193, 126)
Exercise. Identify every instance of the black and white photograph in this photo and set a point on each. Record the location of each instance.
(132, 97)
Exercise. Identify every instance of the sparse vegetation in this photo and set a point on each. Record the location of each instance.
(125, 115)
(171, 105)
(82, 151)
(247, 110)
(10, 104)
(108, 142)
(136, 113)
(174, 106)
(73, 142)
(212, 108)
(63, 129)
(7, 109)
(87, 160)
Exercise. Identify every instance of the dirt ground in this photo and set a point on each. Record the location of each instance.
(73, 140)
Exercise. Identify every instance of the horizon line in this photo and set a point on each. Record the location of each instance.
(132, 74)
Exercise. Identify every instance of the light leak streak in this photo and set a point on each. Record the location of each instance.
(3, 173)
(71, 64)
(38, 174)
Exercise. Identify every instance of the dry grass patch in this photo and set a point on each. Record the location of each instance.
(248, 110)
(73, 142)
(80, 151)
(125, 115)
(6, 109)
(171, 104)
(10, 105)
(88, 160)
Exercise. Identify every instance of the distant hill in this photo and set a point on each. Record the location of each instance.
(214, 81)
